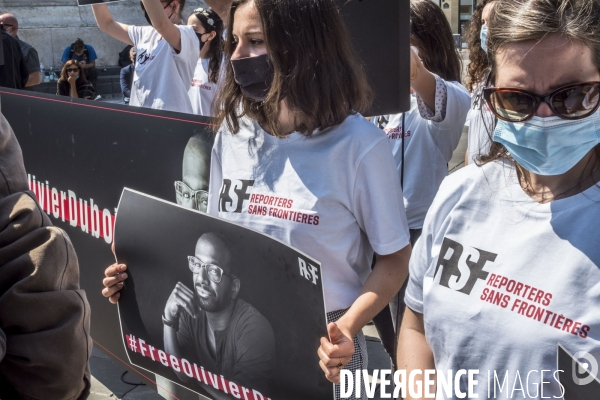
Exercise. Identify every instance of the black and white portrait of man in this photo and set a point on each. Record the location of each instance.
(210, 325)
(192, 190)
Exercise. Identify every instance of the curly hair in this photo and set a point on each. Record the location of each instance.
(479, 61)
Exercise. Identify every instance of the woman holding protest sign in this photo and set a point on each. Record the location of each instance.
(164, 68)
(291, 130)
(508, 263)
(209, 28)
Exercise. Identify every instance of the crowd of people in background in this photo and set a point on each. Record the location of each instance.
(284, 84)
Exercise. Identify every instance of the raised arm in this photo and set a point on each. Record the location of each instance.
(421, 80)
(162, 23)
(108, 25)
(221, 7)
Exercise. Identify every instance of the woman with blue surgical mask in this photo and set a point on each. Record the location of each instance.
(508, 264)
(480, 118)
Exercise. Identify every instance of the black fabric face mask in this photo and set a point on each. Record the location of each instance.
(200, 39)
(254, 75)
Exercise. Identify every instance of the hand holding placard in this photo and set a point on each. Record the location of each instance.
(335, 354)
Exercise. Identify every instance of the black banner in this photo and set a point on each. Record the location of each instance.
(218, 308)
(79, 155)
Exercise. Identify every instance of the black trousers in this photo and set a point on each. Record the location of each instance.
(388, 321)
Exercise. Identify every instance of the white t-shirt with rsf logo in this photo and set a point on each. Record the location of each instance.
(202, 91)
(501, 280)
(162, 76)
(335, 196)
(430, 138)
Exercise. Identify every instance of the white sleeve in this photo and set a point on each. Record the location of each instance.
(446, 132)
(423, 255)
(378, 203)
(216, 177)
(419, 262)
(190, 45)
(136, 33)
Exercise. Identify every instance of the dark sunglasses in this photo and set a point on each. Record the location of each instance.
(575, 101)
(72, 69)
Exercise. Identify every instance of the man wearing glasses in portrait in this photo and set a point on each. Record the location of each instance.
(209, 325)
(192, 190)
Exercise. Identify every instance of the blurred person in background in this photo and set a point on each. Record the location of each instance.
(126, 76)
(86, 56)
(209, 28)
(13, 72)
(480, 119)
(32, 60)
(72, 82)
(167, 53)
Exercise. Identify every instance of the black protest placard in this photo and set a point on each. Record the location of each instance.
(232, 312)
(80, 154)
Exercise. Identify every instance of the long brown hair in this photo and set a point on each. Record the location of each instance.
(215, 52)
(430, 32)
(315, 68)
(65, 77)
(479, 61)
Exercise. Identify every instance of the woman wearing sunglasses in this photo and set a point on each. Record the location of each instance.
(167, 53)
(72, 82)
(508, 265)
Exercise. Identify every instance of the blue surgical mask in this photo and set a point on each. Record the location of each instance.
(483, 34)
(549, 146)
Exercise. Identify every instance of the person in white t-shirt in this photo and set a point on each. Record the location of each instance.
(508, 265)
(167, 54)
(480, 119)
(295, 160)
(432, 129)
(209, 27)
(434, 123)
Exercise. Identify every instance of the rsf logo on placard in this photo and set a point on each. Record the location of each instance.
(462, 266)
(233, 193)
(585, 368)
(308, 271)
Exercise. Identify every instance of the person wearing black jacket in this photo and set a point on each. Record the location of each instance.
(72, 82)
(14, 72)
(126, 77)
